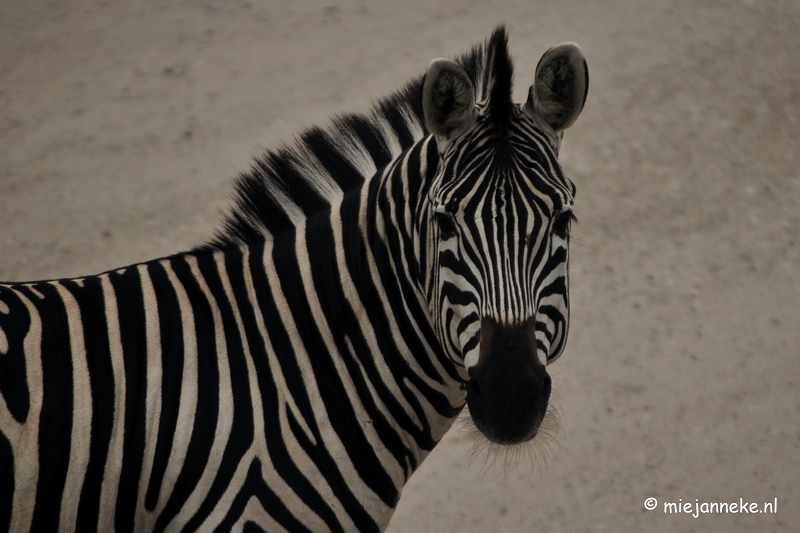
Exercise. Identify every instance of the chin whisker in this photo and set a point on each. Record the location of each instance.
(501, 460)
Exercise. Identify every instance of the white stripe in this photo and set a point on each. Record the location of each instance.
(314, 172)
(351, 148)
(333, 443)
(274, 364)
(255, 512)
(351, 294)
(24, 438)
(289, 206)
(144, 520)
(438, 423)
(3, 342)
(387, 135)
(113, 468)
(225, 404)
(187, 404)
(412, 122)
(35, 291)
(81, 414)
(300, 459)
(259, 447)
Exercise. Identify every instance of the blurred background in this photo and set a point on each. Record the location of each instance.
(122, 125)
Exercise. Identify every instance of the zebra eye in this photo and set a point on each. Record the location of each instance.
(561, 225)
(447, 227)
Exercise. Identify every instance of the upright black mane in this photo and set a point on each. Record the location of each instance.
(286, 185)
(501, 105)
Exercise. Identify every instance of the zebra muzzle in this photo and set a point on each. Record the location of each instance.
(509, 388)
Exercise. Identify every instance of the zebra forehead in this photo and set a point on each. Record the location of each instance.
(488, 194)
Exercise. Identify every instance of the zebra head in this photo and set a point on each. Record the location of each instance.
(500, 211)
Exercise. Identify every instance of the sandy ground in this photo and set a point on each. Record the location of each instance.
(120, 128)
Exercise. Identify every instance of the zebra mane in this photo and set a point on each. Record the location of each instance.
(287, 185)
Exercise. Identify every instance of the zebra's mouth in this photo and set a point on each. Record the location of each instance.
(509, 389)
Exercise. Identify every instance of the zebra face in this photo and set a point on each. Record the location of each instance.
(501, 219)
(500, 212)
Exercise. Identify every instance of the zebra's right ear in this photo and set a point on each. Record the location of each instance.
(448, 99)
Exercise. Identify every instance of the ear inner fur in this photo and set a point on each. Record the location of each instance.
(558, 94)
(448, 98)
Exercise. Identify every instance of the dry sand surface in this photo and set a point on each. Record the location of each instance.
(121, 127)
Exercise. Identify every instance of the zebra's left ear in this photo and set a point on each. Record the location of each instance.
(559, 91)
(448, 99)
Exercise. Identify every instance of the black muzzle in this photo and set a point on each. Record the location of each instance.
(509, 388)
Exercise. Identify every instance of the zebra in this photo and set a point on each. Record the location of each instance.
(369, 281)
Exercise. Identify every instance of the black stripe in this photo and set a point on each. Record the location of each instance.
(207, 408)
(342, 322)
(296, 186)
(398, 123)
(257, 202)
(55, 421)
(276, 442)
(401, 289)
(133, 335)
(355, 254)
(339, 167)
(255, 486)
(275, 326)
(241, 436)
(331, 389)
(172, 360)
(91, 303)
(13, 373)
(370, 136)
(419, 210)
(369, 296)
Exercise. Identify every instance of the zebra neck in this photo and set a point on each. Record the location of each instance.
(351, 263)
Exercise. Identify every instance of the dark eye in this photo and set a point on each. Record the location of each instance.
(447, 227)
(561, 225)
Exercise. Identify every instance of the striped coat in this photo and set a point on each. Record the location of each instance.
(291, 374)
